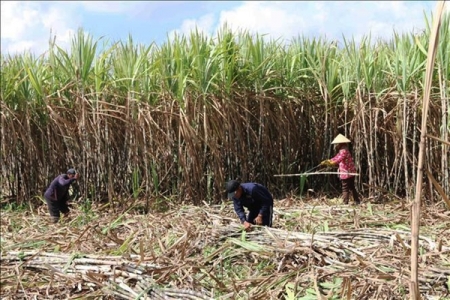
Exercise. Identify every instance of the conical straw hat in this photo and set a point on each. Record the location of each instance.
(340, 139)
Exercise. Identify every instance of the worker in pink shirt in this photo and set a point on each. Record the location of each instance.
(346, 168)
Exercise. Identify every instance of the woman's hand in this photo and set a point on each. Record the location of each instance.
(328, 163)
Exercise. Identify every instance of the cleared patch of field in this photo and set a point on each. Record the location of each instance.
(317, 249)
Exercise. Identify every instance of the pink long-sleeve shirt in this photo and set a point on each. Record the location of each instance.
(345, 161)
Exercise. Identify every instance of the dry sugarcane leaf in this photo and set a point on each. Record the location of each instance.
(439, 188)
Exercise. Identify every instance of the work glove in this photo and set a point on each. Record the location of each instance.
(327, 163)
(258, 220)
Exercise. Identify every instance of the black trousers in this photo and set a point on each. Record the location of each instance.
(56, 207)
(348, 186)
(267, 217)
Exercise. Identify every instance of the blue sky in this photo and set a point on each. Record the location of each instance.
(29, 25)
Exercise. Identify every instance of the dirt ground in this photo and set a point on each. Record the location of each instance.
(317, 249)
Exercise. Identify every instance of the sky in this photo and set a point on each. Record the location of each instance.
(28, 25)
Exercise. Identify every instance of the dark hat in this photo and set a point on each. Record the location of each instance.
(232, 186)
(71, 171)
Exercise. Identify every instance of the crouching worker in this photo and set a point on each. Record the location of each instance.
(57, 194)
(256, 198)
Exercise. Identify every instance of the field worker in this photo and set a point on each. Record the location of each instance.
(345, 164)
(256, 198)
(57, 194)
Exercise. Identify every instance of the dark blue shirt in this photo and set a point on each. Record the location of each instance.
(255, 197)
(59, 187)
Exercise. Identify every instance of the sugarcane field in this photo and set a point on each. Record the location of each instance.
(228, 167)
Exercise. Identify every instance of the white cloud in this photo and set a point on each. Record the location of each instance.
(28, 25)
(204, 25)
(56, 21)
(382, 18)
(19, 46)
(17, 17)
(330, 19)
(273, 18)
(109, 6)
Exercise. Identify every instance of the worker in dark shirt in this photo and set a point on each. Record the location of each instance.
(57, 194)
(256, 198)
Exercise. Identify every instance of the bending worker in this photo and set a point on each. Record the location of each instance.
(256, 198)
(57, 194)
